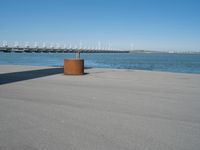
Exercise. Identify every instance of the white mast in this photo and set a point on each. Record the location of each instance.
(99, 45)
(36, 45)
(132, 47)
(26, 45)
(51, 45)
(65, 46)
(57, 45)
(70, 45)
(5, 44)
(80, 45)
(44, 45)
(16, 44)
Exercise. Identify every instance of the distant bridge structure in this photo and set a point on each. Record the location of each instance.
(57, 49)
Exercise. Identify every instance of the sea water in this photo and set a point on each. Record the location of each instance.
(183, 63)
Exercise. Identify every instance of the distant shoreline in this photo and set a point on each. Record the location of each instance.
(163, 52)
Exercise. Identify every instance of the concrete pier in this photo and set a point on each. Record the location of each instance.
(107, 109)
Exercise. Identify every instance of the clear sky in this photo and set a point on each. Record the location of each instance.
(148, 24)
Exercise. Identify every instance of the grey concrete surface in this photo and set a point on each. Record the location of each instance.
(106, 109)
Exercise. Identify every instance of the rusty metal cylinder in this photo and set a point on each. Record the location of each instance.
(73, 66)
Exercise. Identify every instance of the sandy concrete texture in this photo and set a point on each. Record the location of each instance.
(105, 109)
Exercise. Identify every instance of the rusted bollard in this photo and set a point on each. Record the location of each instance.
(73, 66)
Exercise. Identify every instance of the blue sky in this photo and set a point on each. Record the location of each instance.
(148, 24)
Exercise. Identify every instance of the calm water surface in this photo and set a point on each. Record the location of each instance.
(186, 63)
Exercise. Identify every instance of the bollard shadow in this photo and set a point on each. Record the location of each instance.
(87, 68)
(6, 78)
